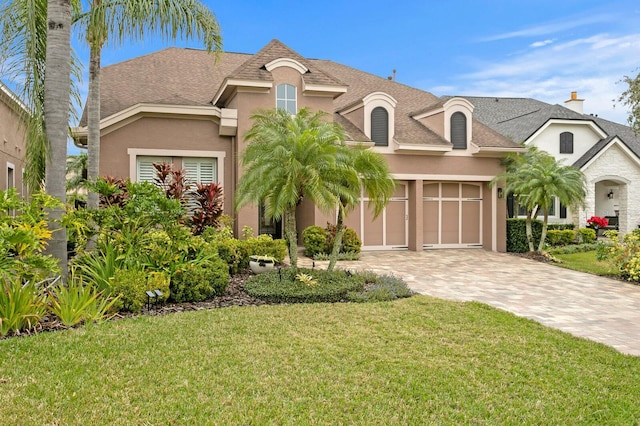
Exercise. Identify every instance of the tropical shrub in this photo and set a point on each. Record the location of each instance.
(130, 286)
(350, 240)
(564, 237)
(303, 286)
(209, 204)
(24, 236)
(318, 241)
(314, 239)
(21, 306)
(195, 283)
(77, 303)
(586, 235)
(625, 255)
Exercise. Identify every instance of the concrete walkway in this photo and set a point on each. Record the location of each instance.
(600, 309)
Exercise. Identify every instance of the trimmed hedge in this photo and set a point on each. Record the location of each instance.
(517, 234)
(556, 237)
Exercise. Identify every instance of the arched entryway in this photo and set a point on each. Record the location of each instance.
(610, 201)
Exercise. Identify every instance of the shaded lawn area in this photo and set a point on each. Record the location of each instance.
(586, 262)
(414, 361)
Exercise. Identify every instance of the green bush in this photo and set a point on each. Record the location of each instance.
(351, 243)
(556, 237)
(195, 283)
(286, 288)
(625, 255)
(314, 239)
(517, 234)
(264, 245)
(318, 241)
(130, 285)
(586, 235)
(382, 288)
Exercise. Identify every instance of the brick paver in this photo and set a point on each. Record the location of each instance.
(597, 308)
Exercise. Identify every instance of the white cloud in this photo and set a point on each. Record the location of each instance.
(541, 43)
(553, 27)
(592, 66)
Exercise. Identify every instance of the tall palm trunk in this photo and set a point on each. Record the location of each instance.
(93, 123)
(291, 235)
(543, 235)
(57, 87)
(337, 240)
(529, 230)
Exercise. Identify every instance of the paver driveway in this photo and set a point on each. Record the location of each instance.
(601, 309)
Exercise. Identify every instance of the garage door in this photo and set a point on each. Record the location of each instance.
(390, 230)
(452, 215)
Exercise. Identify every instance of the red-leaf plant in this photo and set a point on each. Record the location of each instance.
(209, 199)
(597, 222)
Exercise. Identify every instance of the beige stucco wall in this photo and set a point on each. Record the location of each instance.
(12, 143)
(165, 133)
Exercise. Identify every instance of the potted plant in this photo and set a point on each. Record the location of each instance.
(260, 264)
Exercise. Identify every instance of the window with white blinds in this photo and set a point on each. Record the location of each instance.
(201, 170)
(145, 170)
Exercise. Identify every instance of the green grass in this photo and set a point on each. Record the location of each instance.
(586, 262)
(415, 361)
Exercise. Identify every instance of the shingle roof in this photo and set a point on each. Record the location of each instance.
(519, 118)
(253, 68)
(192, 77)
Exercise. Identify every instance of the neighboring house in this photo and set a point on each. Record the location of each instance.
(12, 141)
(607, 153)
(179, 105)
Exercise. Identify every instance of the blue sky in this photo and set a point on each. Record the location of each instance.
(541, 49)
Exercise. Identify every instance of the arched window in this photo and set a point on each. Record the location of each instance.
(286, 98)
(380, 126)
(566, 143)
(459, 130)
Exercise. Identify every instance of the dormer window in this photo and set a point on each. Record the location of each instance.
(459, 130)
(566, 143)
(286, 98)
(380, 126)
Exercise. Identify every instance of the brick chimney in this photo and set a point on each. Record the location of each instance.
(574, 103)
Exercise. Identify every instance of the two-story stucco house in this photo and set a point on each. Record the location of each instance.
(12, 140)
(607, 153)
(178, 105)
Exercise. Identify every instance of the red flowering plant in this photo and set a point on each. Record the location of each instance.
(597, 222)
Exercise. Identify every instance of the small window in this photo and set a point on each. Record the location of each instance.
(380, 126)
(200, 170)
(11, 177)
(146, 171)
(566, 143)
(459, 130)
(286, 98)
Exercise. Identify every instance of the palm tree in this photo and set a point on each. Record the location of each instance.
(367, 173)
(117, 21)
(290, 158)
(57, 88)
(535, 178)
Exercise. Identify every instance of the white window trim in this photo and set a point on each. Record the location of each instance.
(380, 99)
(134, 153)
(286, 62)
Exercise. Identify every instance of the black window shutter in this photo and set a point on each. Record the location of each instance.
(563, 211)
(566, 143)
(380, 126)
(459, 130)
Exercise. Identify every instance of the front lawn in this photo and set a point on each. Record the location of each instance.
(419, 360)
(586, 262)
